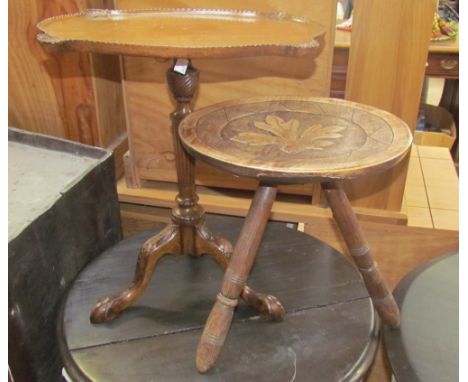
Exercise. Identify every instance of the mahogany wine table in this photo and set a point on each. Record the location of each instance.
(425, 347)
(329, 333)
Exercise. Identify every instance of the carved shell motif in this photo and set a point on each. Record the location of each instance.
(287, 135)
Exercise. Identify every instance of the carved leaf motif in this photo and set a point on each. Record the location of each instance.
(272, 124)
(319, 132)
(255, 139)
(288, 137)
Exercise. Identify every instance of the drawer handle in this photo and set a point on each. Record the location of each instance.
(448, 64)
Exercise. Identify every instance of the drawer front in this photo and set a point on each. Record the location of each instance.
(442, 65)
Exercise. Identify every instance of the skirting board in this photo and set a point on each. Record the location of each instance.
(237, 203)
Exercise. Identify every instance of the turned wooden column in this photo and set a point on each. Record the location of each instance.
(188, 212)
(235, 278)
(357, 245)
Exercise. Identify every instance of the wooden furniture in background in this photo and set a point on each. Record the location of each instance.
(156, 164)
(232, 34)
(330, 333)
(148, 102)
(46, 94)
(75, 96)
(287, 140)
(442, 61)
(389, 47)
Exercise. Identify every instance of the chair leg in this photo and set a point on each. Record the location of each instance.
(235, 277)
(348, 224)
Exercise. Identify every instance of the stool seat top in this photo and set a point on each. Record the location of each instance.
(293, 139)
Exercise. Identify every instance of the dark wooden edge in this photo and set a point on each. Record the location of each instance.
(71, 367)
(362, 366)
(57, 144)
(356, 374)
(171, 52)
(392, 337)
(20, 360)
(278, 177)
(305, 48)
(288, 177)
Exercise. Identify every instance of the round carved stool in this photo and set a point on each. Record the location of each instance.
(288, 140)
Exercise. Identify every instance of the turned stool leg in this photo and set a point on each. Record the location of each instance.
(266, 305)
(349, 226)
(241, 262)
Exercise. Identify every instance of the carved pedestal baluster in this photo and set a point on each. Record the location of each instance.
(188, 234)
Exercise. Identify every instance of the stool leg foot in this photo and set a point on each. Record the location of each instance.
(220, 318)
(110, 307)
(348, 224)
(265, 304)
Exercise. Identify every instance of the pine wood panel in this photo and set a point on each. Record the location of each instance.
(389, 47)
(75, 96)
(148, 102)
(35, 95)
(236, 203)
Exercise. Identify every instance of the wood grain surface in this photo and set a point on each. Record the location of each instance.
(75, 95)
(293, 139)
(396, 249)
(148, 101)
(387, 58)
(183, 32)
(328, 333)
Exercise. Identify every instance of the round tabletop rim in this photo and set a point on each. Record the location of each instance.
(77, 373)
(392, 337)
(311, 46)
(402, 135)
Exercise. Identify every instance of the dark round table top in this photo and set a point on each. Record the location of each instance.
(425, 347)
(329, 334)
(295, 139)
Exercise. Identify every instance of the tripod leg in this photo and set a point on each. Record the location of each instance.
(110, 307)
(235, 277)
(349, 226)
(210, 243)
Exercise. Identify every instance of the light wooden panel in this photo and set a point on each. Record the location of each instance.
(148, 102)
(35, 94)
(389, 46)
(74, 96)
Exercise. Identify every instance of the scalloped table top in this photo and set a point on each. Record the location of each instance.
(182, 33)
